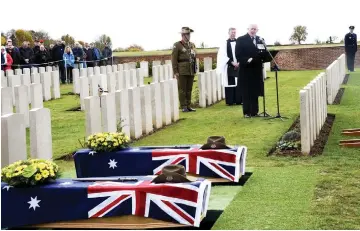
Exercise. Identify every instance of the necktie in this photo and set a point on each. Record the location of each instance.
(254, 41)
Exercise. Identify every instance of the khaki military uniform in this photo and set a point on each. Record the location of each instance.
(183, 60)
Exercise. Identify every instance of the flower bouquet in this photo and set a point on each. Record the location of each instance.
(30, 172)
(107, 141)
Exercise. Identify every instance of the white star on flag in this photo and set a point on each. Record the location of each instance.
(7, 187)
(112, 164)
(66, 183)
(34, 202)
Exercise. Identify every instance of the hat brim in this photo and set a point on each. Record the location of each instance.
(186, 31)
(175, 178)
(215, 145)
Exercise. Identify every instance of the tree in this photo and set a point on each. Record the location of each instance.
(101, 40)
(11, 34)
(22, 36)
(69, 40)
(82, 43)
(318, 41)
(135, 48)
(277, 43)
(299, 34)
(3, 40)
(202, 45)
(332, 39)
(119, 49)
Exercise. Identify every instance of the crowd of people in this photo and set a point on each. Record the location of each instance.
(59, 54)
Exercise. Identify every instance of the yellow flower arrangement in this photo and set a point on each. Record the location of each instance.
(107, 141)
(30, 172)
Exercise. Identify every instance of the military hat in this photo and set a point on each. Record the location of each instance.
(215, 142)
(186, 30)
(351, 27)
(173, 173)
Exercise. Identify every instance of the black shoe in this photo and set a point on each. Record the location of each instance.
(185, 109)
(191, 109)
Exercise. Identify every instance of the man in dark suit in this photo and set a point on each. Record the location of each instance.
(350, 48)
(251, 53)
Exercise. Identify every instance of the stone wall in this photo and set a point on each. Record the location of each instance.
(287, 59)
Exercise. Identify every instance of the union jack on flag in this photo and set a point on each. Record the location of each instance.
(223, 163)
(184, 203)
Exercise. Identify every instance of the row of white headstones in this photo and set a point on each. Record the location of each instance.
(314, 99)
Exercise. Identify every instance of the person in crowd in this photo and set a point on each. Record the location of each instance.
(78, 54)
(89, 55)
(36, 48)
(51, 47)
(6, 60)
(26, 55)
(228, 66)
(42, 57)
(107, 55)
(183, 59)
(97, 54)
(14, 53)
(350, 48)
(69, 61)
(57, 57)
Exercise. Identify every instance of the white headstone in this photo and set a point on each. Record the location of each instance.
(108, 112)
(103, 82)
(103, 70)
(108, 68)
(92, 115)
(18, 72)
(55, 83)
(202, 89)
(219, 86)
(127, 76)
(94, 85)
(22, 102)
(83, 72)
(207, 64)
(156, 63)
(161, 73)
(135, 112)
(120, 80)
(84, 91)
(35, 78)
(76, 80)
(13, 139)
(49, 68)
(133, 78)
(140, 76)
(27, 71)
(114, 68)
(126, 67)
(155, 74)
(26, 80)
(209, 95)
(40, 133)
(111, 82)
(174, 99)
(42, 70)
(4, 81)
(168, 61)
(305, 121)
(9, 72)
(145, 66)
(120, 67)
(156, 102)
(214, 85)
(90, 71)
(14, 80)
(34, 70)
(166, 72)
(46, 82)
(6, 100)
(197, 66)
(123, 110)
(146, 109)
(36, 96)
(166, 106)
(97, 70)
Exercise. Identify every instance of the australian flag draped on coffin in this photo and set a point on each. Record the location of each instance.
(66, 200)
(222, 163)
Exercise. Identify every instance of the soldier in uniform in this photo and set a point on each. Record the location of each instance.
(183, 60)
(350, 48)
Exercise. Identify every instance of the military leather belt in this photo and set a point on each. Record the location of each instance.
(183, 60)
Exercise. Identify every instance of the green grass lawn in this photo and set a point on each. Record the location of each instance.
(283, 192)
(213, 50)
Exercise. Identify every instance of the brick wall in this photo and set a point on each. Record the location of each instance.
(291, 59)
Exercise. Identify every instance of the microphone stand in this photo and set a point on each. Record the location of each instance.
(264, 113)
(276, 68)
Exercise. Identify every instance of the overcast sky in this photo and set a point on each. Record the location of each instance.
(154, 24)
